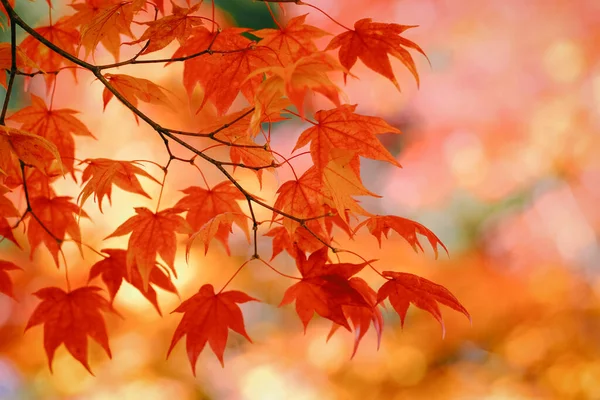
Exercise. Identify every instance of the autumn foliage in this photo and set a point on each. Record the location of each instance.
(249, 80)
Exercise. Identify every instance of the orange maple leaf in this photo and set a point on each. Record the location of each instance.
(341, 181)
(103, 21)
(3, 11)
(341, 128)
(301, 237)
(293, 41)
(151, 234)
(163, 31)
(114, 270)
(236, 129)
(6, 285)
(324, 288)
(57, 126)
(203, 205)
(207, 318)
(224, 74)
(362, 317)
(23, 60)
(213, 228)
(406, 228)
(403, 289)
(30, 148)
(372, 42)
(69, 318)
(132, 89)
(303, 198)
(309, 73)
(101, 173)
(56, 215)
(7, 210)
(64, 35)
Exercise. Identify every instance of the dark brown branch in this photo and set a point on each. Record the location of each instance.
(13, 69)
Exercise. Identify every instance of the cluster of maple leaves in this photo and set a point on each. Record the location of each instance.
(275, 71)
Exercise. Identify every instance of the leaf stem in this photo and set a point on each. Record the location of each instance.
(234, 275)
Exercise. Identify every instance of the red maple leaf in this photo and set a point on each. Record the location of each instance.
(308, 73)
(151, 234)
(362, 317)
(203, 205)
(58, 216)
(104, 21)
(7, 210)
(64, 35)
(372, 42)
(235, 128)
(324, 288)
(207, 318)
(57, 126)
(163, 31)
(224, 74)
(69, 318)
(30, 148)
(404, 289)
(302, 198)
(6, 60)
(341, 128)
(114, 270)
(134, 89)
(101, 173)
(293, 41)
(6, 285)
(210, 230)
(406, 228)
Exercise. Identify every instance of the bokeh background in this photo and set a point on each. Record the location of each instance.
(501, 157)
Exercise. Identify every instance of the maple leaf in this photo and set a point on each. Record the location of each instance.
(114, 270)
(23, 61)
(362, 317)
(3, 11)
(207, 317)
(214, 227)
(178, 26)
(103, 22)
(7, 210)
(151, 234)
(30, 148)
(203, 205)
(324, 288)
(69, 318)
(101, 173)
(341, 128)
(341, 181)
(302, 198)
(372, 42)
(57, 126)
(306, 242)
(293, 41)
(64, 35)
(224, 74)
(406, 228)
(56, 215)
(404, 289)
(295, 80)
(6, 285)
(132, 89)
(235, 129)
